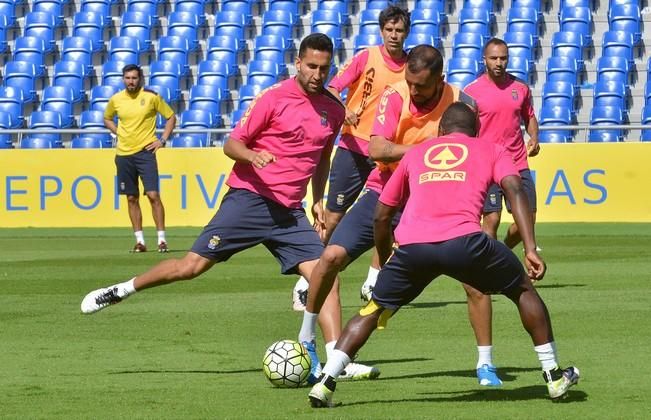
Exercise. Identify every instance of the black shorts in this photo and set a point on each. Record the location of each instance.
(142, 164)
(476, 259)
(495, 194)
(348, 174)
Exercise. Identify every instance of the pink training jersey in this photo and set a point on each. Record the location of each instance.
(297, 129)
(502, 108)
(444, 182)
(348, 75)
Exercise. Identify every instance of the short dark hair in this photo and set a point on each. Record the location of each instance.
(392, 13)
(494, 41)
(460, 117)
(316, 41)
(132, 67)
(423, 57)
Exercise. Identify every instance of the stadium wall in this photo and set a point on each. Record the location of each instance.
(77, 187)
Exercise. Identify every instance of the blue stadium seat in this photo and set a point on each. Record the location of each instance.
(146, 7)
(112, 74)
(41, 25)
(231, 23)
(100, 95)
(36, 142)
(236, 115)
(101, 7)
(262, 72)
(186, 140)
(521, 44)
(46, 120)
(363, 41)
(5, 123)
(207, 98)
(369, 21)
(240, 6)
(93, 120)
(194, 7)
(568, 44)
(519, 67)
(11, 102)
(377, 4)
(166, 73)
(137, 25)
(4, 26)
(579, 20)
(461, 71)
(86, 142)
(21, 75)
(615, 69)
(575, 3)
(606, 116)
(90, 25)
(59, 99)
(278, 22)
(476, 20)
(414, 39)
(559, 95)
(32, 50)
(295, 7)
(626, 18)
(536, 5)
(618, 44)
(328, 22)
(247, 94)
(555, 116)
(213, 73)
(468, 45)
(124, 49)
(427, 21)
(224, 48)
(184, 25)
(162, 91)
(438, 5)
(197, 118)
(8, 9)
(175, 49)
(272, 48)
(340, 6)
(70, 74)
(523, 19)
(79, 50)
(613, 94)
(646, 120)
(53, 7)
(562, 69)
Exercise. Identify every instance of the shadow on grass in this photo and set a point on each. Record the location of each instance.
(526, 393)
(557, 286)
(506, 374)
(203, 372)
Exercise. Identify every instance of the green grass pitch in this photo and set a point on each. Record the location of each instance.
(193, 350)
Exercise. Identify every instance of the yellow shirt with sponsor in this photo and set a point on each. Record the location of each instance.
(136, 118)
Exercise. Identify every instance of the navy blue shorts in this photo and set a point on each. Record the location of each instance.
(355, 231)
(245, 219)
(476, 259)
(495, 194)
(348, 174)
(142, 164)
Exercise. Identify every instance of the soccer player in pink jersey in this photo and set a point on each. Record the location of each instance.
(283, 141)
(365, 75)
(442, 183)
(504, 103)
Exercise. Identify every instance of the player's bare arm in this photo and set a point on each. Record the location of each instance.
(533, 147)
(167, 133)
(351, 117)
(382, 232)
(384, 150)
(110, 124)
(512, 186)
(319, 180)
(239, 152)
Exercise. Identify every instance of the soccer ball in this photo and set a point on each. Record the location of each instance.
(286, 364)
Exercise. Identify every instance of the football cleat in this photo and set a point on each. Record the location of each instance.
(321, 396)
(101, 298)
(487, 376)
(139, 247)
(366, 292)
(162, 247)
(559, 381)
(315, 364)
(299, 299)
(358, 372)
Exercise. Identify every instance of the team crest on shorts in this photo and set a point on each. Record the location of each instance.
(514, 94)
(340, 199)
(324, 118)
(214, 242)
(122, 186)
(493, 199)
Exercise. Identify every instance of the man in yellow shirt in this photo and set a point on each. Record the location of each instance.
(136, 109)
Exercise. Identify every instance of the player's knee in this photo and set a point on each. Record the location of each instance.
(334, 257)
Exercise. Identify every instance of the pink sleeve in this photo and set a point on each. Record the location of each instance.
(396, 189)
(350, 72)
(504, 165)
(256, 118)
(387, 114)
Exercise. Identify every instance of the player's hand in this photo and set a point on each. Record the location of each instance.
(533, 147)
(318, 215)
(535, 265)
(351, 117)
(262, 159)
(153, 146)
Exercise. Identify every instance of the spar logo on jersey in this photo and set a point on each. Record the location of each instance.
(443, 158)
(514, 94)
